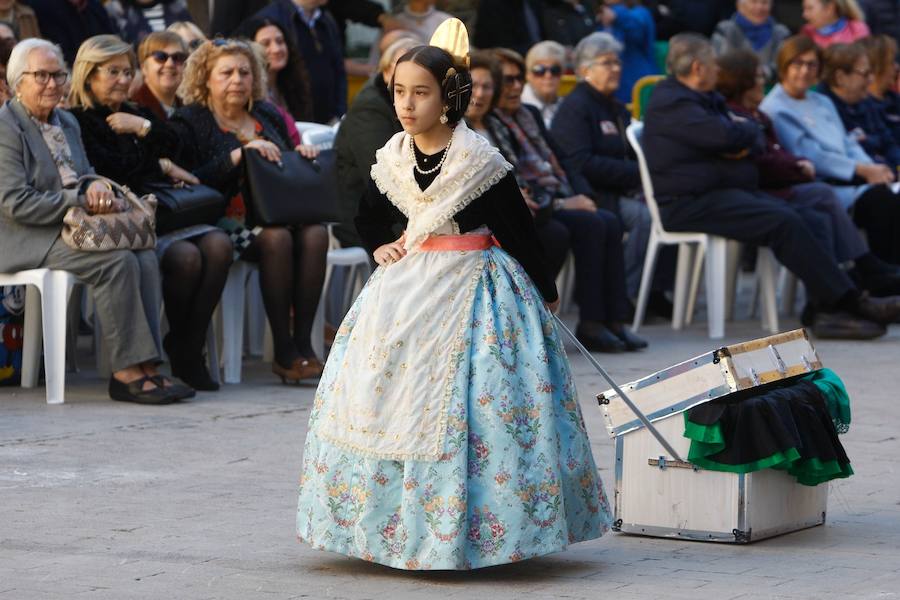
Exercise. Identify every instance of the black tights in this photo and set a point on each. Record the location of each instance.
(291, 275)
(193, 276)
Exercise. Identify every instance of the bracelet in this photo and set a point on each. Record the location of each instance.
(106, 183)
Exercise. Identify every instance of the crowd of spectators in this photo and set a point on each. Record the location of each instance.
(779, 134)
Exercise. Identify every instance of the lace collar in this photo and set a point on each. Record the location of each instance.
(471, 168)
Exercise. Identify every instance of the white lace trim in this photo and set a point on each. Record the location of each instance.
(472, 167)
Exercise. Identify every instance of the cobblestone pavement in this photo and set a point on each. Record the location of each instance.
(106, 500)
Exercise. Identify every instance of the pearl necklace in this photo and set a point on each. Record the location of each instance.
(412, 151)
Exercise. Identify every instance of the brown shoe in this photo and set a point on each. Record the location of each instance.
(301, 368)
(881, 310)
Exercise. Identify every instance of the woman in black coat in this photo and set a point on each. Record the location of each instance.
(225, 115)
(130, 145)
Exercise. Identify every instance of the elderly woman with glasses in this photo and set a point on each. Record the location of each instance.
(590, 132)
(846, 77)
(130, 144)
(42, 161)
(224, 117)
(551, 186)
(809, 125)
(543, 76)
(161, 56)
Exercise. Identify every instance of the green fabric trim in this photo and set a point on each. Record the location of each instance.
(779, 460)
(837, 400)
(708, 434)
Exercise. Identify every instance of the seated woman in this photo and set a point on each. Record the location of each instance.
(741, 80)
(590, 134)
(226, 115)
(833, 22)
(752, 27)
(161, 56)
(543, 75)
(882, 52)
(287, 77)
(369, 124)
(846, 76)
(487, 83)
(41, 161)
(129, 144)
(595, 234)
(808, 125)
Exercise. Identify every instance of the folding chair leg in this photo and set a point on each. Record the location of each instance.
(716, 274)
(682, 283)
(33, 343)
(54, 301)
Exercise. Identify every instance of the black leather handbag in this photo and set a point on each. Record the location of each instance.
(180, 207)
(298, 191)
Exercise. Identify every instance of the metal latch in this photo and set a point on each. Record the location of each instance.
(754, 376)
(663, 463)
(779, 363)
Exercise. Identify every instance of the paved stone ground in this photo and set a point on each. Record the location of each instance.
(106, 500)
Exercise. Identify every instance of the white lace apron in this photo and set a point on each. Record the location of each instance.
(390, 398)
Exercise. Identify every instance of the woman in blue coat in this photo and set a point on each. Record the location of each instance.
(633, 26)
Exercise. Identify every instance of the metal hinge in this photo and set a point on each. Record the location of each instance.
(741, 537)
(662, 462)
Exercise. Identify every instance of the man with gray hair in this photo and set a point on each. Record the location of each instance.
(704, 180)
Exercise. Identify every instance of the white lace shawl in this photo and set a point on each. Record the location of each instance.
(471, 168)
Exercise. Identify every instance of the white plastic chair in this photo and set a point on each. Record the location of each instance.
(695, 249)
(322, 139)
(565, 284)
(46, 313)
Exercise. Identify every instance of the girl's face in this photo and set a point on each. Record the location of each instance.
(417, 98)
(272, 41)
(818, 13)
(482, 94)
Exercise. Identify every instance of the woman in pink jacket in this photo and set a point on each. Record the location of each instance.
(834, 22)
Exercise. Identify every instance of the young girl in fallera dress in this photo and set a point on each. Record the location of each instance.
(446, 431)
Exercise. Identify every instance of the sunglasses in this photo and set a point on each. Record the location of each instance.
(161, 57)
(513, 79)
(541, 70)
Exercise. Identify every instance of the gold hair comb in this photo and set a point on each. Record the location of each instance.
(452, 36)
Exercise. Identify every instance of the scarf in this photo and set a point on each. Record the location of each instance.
(833, 28)
(521, 142)
(757, 35)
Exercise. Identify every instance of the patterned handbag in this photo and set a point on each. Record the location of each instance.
(134, 228)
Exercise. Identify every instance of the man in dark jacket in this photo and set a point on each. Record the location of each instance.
(705, 180)
(319, 41)
(70, 22)
(514, 24)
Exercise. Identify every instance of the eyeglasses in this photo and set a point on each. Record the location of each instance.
(610, 63)
(812, 65)
(43, 77)
(161, 57)
(542, 70)
(116, 72)
(865, 74)
(513, 79)
(222, 42)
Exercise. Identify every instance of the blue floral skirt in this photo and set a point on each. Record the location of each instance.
(516, 479)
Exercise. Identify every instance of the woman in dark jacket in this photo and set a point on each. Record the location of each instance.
(129, 144)
(225, 115)
(846, 77)
(741, 80)
(595, 234)
(589, 130)
(882, 52)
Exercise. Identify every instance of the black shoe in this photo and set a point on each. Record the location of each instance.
(135, 392)
(195, 374)
(597, 338)
(181, 392)
(844, 326)
(881, 310)
(632, 342)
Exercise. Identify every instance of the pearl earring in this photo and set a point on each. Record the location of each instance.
(443, 119)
